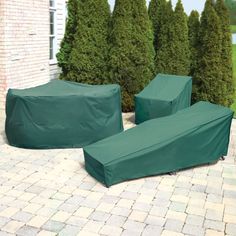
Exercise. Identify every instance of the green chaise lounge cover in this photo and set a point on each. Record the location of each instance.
(62, 114)
(165, 95)
(193, 136)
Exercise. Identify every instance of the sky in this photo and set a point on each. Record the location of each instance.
(189, 5)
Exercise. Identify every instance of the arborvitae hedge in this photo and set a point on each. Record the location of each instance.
(180, 42)
(193, 34)
(208, 73)
(67, 42)
(97, 49)
(132, 52)
(227, 88)
(164, 47)
(88, 59)
(170, 37)
(157, 15)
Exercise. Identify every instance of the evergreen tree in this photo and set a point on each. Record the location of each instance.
(231, 5)
(193, 34)
(165, 53)
(67, 42)
(180, 42)
(88, 59)
(208, 73)
(227, 90)
(157, 15)
(132, 52)
(172, 55)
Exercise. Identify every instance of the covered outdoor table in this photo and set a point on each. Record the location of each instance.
(165, 95)
(193, 136)
(62, 114)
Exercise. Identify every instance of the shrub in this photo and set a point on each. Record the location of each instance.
(227, 88)
(208, 73)
(156, 11)
(171, 38)
(193, 34)
(88, 58)
(67, 42)
(131, 53)
(180, 42)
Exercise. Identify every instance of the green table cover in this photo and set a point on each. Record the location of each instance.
(165, 95)
(193, 136)
(62, 114)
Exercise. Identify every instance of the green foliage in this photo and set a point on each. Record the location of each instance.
(227, 89)
(231, 5)
(172, 46)
(164, 47)
(234, 71)
(67, 42)
(234, 61)
(88, 58)
(180, 43)
(97, 49)
(208, 74)
(233, 28)
(194, 44)
(132, 52)
(157, 16)
(193, 34)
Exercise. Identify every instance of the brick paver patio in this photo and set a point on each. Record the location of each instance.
(49, 193)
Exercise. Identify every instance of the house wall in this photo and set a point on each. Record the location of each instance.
(2, 64)
(24, 44)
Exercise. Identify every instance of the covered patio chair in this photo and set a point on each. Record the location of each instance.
(165, 95)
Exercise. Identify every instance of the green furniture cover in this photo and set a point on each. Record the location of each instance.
(62, 114)
(193, 136)
(165, 95)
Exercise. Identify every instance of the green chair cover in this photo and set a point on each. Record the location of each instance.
(194, 136)
(165, 95)
(62, 114)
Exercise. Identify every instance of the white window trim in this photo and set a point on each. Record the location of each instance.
(54, 9)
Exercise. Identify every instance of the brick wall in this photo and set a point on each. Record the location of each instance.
(2, 60)
(24, 43)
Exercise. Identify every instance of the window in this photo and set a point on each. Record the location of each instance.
(52, 30)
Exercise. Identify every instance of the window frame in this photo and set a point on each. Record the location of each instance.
(53, 10)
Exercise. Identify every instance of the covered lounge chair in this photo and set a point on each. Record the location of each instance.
(194, 136)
